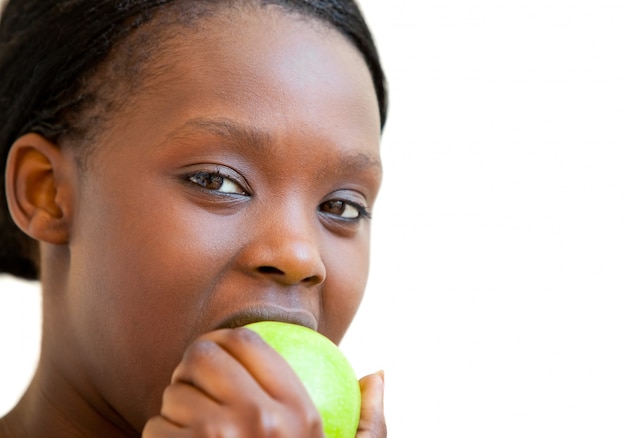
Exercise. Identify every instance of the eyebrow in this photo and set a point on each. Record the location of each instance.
(260, 142)
(227, 129)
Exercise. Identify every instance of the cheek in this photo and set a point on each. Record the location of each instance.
(142, 268)
(155, 259)
(345, 284)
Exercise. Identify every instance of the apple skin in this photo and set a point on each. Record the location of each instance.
(324, 371)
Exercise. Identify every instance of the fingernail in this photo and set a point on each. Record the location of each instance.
(381, 373)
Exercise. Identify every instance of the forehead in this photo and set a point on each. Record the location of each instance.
(277, 72)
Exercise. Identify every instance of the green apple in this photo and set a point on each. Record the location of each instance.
(324, 370)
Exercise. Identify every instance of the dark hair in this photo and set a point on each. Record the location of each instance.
(51, 49)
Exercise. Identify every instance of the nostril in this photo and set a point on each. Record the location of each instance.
(311, 279)
(292, 275)
(269, 270)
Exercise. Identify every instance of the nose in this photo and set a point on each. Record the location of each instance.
(287, 253)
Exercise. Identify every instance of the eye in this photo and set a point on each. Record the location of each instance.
(345, 209)
(216, 182)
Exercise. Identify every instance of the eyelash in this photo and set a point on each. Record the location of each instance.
(210, 176)
(362, 211)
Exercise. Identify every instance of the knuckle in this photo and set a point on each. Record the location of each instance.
(313, 421)
(269, 423)
(242, 336)
(201, 350)
(152, 427)
(171, 393)
(208, 429)
(286, 422)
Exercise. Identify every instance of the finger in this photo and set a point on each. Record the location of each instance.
(187, 406)
(159, 427)
(267, 367)
(184, 404)
(250, 362)
(372, 423)
(208, 366)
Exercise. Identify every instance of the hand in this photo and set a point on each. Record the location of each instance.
(372, 423)
(231, 383)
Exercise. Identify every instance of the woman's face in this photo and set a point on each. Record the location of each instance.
(232, 187)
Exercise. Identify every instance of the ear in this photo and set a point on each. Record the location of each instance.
(37, 187)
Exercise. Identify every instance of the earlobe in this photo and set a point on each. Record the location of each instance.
(36, 188)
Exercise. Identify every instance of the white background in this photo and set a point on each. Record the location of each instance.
(496, 303)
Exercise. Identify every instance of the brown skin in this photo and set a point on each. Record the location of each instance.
(143, 266)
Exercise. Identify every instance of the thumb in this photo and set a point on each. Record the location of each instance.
(372, 423)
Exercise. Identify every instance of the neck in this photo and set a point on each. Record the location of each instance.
(53, 406)
(61, 400)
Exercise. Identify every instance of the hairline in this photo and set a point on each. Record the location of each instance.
(168, 20)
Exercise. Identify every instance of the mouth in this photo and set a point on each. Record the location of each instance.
(270, 313)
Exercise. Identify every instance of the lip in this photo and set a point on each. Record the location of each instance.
(270, 313)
